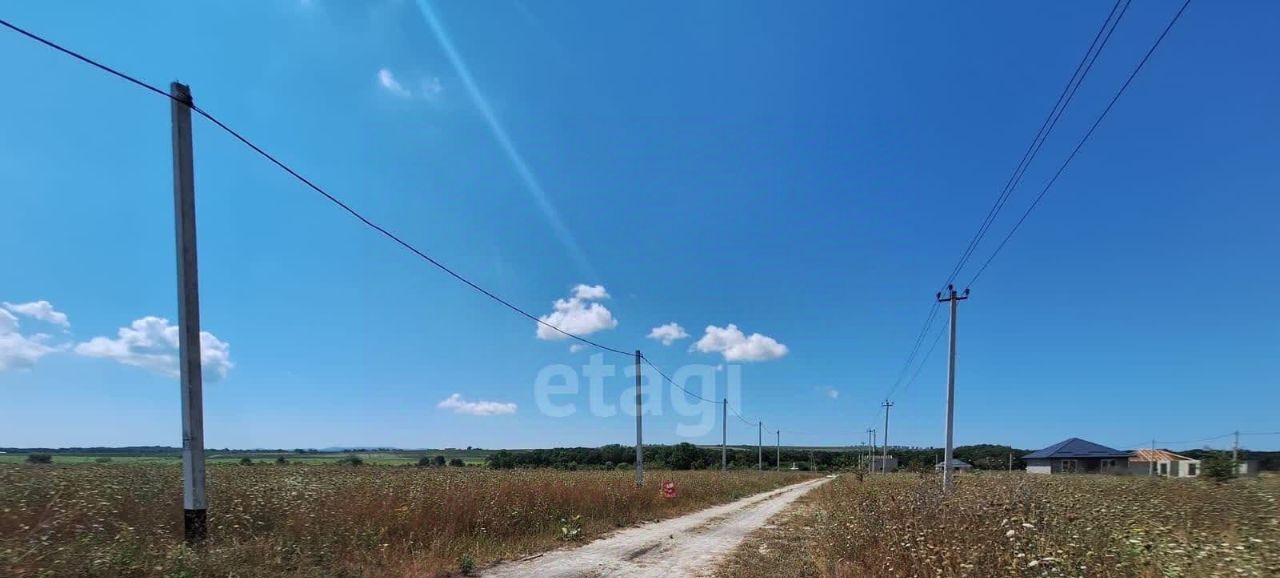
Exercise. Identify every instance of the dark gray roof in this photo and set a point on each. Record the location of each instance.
(1075, 448)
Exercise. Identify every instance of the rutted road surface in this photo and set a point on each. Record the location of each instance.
(690, 545)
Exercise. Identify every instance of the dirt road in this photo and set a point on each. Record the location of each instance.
(689, 545)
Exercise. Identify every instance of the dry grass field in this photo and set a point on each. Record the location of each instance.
(323, 521)
(999, 525)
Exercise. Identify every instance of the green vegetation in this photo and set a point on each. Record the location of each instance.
(351, 460)
(1218, 467)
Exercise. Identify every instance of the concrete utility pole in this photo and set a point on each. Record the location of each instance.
(884, 461)
(778, 451)
(760, 445)
(724, 436)
(871, 445)
(1153, 456)
(639, 427)
(194, 503)
(1010, 461)
(1235, 451)
(954, 299)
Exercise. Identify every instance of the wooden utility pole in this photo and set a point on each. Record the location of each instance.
(194, 502)
(639, 428)
(1235, 451)
(954, 299)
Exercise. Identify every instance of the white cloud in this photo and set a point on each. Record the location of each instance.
(18, 351)
(429, 88)
(578, 314)
(668, 334)
(459, 405)
(576, 347)
(389, 82)
(41, 310)
(152, 343)
(736, 346)
(831, 392)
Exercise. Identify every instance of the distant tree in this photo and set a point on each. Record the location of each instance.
(1219, 467)
(501, 460)
(424, 461)
(352, 460)
(439, 461)
(39, 459)
(457, 463)
(683, 456)
(246, 461)
(280, 461)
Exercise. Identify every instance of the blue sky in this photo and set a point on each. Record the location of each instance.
(808, 173)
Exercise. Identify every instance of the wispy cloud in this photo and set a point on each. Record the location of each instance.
(481, 408)
(388, 81)
(530, 180)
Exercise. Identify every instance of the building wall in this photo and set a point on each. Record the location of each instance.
(1039, 467)
(1167, 469)
(1083, 466)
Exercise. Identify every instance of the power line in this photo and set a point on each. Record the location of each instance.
(1042, 135)
(672, 382)
(344, 206)
(925, 359)
(740, 416)
(1083, 140)
(915, 349)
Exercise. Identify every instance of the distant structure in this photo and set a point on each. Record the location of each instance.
(1157, 462)
(1248, 467)
(957, 465)
(884, 464)
(1077, 456)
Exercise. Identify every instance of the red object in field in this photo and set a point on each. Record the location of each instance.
(669, 489)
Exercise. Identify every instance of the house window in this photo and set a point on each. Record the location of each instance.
(1164, 468)
(1193, 469)
(1068, 466)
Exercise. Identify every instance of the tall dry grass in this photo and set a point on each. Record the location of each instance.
(997, 525)
(125, 520)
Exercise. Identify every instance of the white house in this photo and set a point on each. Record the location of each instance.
(1156, 462)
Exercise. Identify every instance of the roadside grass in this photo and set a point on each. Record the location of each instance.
(1019, 525)
(124, 520)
